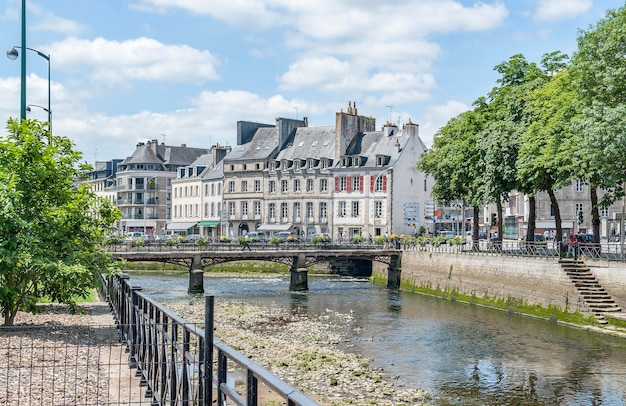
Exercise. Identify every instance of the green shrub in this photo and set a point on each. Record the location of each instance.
(276, 240)
(224, 239)
(357, 239)
(380, 239)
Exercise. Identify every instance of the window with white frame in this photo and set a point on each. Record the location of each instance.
(356, 183)
(323, 211)
(284, 210)
(343, 181)
(206, 210)
(231, 208)
(244, 185)
(272, 210)
(579, 186)
(212, 209)
(378, 186)
(257, 209)
(355, 208)
(309, 185)
(296, 185)
(244, 208)
(231, 186)
(378, 208)
(296, 210)
(342, 209)
(257, 185)
(272, 186)
(323, 185)
(284, 186)
(309, 210)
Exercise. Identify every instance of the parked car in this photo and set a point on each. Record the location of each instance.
(192, 237)
(257, 235)
(283, 234)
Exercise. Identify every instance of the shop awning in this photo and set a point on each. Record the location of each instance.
(274, 227)
(208, 223)
(136, 223)
(179, 226)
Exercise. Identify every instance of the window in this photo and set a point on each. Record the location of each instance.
(219, 189)
(381, 184)
(356, 183)
(257, 166)
(232, 168)
(257, 209)
(342, 184)
(323, 185)
(206, 210)
(244, 185)
(342, 209)
(355, 209)
(257, 185)
(579, 185)
(244, 208)
(309, 210)
(196, 191)
(296, 185)
(309, 185)
(212, 209)
(425, 186)
(272, 186)
(324, 163)
(284, 186)
(604, 212)
(272, 210)
(231, 208)
(323, 211)
(231, 186)
(245, 167)
(284, 211)
(296, 210)
(579, 208)
(378, 209)
(206, 189)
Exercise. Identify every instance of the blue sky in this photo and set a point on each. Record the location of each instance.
(185, 71)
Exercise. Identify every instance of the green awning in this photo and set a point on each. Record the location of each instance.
(208, 223)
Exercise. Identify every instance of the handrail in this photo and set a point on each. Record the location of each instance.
(169, 353)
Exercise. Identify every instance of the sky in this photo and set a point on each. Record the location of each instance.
(185, 71)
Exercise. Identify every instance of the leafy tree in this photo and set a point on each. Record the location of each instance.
(599, 70)
(454, 161)
(51, 227)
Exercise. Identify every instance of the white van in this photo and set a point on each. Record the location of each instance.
(257, 235)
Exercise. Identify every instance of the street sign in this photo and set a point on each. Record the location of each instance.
(409, 218)
(410, 213)
(415, 205)
(406, 223)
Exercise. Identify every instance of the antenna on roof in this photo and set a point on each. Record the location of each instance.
(389, 107)
(163, 137)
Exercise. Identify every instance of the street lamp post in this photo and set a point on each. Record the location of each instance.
(375, 183)
(12, 53)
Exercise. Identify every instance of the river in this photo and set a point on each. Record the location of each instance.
(462, 354)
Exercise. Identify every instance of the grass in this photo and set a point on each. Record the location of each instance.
(90, 298)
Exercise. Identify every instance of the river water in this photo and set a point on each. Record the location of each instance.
(461, 354)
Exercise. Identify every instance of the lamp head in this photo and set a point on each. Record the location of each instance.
(12, 53)
(28, 109)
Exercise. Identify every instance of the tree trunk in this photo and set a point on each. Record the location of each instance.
(475, 241)
(595, 215)
(499, 208)
(532, 219)
(557, 215)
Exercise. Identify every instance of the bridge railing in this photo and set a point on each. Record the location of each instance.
(176, 359)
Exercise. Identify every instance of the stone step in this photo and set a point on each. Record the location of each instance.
(578, 270)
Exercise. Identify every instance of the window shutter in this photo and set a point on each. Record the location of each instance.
(372, 179)
(336, 183)
(361, 184)
(384, 183)
(349, 184)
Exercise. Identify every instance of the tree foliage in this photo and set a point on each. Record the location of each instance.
(51, 227)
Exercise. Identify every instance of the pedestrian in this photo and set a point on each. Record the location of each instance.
(571, 245)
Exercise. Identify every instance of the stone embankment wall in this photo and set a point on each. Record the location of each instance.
(539, 281)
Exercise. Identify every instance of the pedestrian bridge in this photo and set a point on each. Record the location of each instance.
(299, 257)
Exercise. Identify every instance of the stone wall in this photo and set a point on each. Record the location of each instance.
(532, 280)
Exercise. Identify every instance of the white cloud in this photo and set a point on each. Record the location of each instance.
(438, 116)
(552, 10)
(144, 59)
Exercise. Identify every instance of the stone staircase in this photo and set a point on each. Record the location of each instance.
(594, 295)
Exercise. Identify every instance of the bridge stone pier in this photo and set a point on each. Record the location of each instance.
(196, 275)
(394, 271)
(299, 274)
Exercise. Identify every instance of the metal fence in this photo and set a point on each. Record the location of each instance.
(65, 365)
(175, 360)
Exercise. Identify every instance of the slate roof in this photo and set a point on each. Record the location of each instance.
(165, 155)
(262, 145)
(375, 143)
(310, 142)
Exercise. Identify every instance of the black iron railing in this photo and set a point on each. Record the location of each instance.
(175, 359)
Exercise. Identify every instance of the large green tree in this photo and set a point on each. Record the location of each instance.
(51, 226)
(599, 70)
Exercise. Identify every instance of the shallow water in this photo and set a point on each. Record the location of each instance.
(461, 354)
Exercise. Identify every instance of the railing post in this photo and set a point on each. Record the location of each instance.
(209, 311)
(132, 327)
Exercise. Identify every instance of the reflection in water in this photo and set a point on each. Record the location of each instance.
(462, 354)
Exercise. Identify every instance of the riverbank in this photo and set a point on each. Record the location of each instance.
(311, 353)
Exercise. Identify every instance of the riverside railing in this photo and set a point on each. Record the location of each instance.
(175, 359)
